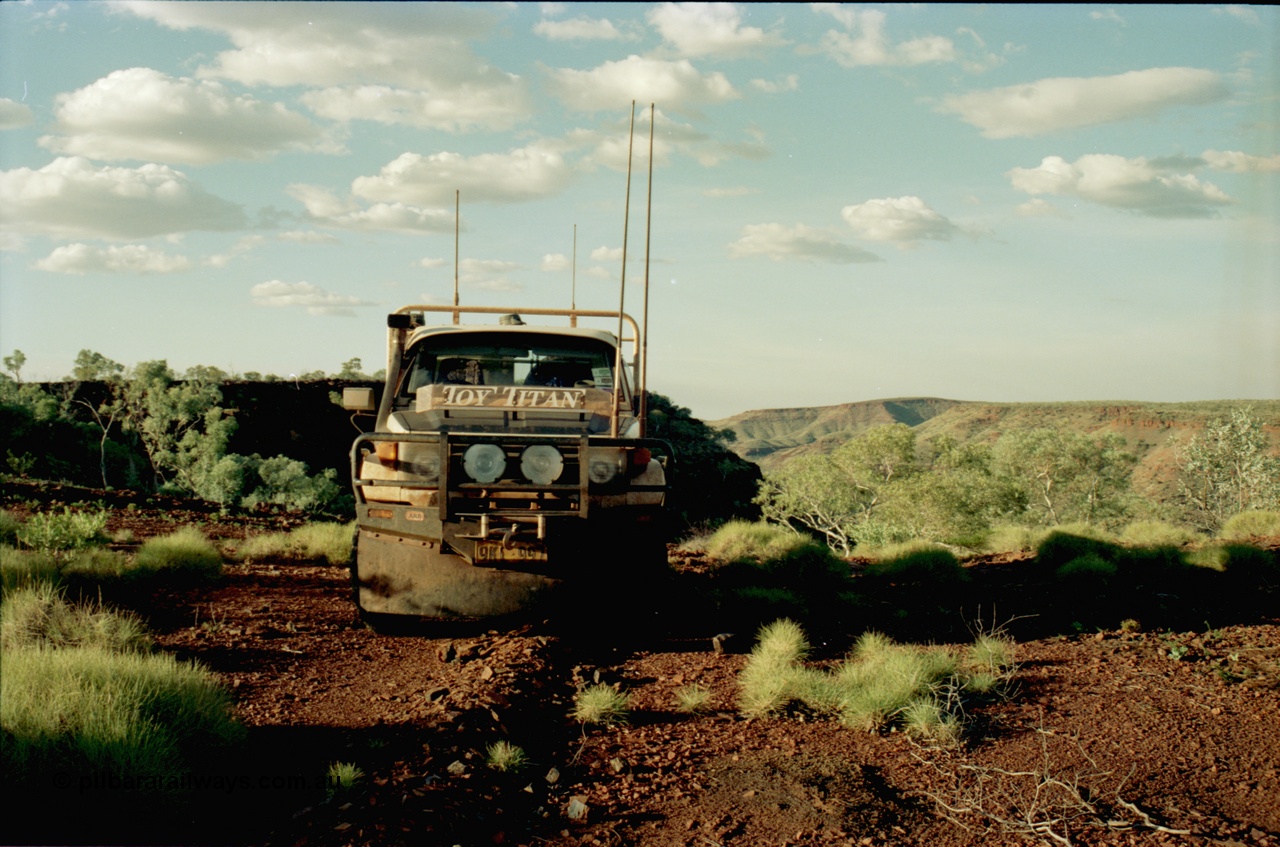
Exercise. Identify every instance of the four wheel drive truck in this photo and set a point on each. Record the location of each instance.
(507, 462)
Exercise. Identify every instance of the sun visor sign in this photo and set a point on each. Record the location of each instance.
(503, 397)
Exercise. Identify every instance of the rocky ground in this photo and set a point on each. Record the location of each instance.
(1148, 736)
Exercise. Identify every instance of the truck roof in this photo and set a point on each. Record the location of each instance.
(521, 329)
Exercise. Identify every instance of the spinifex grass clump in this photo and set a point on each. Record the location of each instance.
(25, 569)
(40, 616)
(505, 757)
(99, 712)
(1246, 525)
(764, 571)
(919, 564)
(342, 776)
(692, 699)
(321, 540)
(1156, 534)
(880, 683)
(601, 704)
(183, 553)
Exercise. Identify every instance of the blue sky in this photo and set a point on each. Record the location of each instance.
(1002, 203)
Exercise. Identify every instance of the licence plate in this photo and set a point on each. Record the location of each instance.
(494, 551)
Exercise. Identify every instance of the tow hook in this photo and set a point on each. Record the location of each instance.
(506, 537)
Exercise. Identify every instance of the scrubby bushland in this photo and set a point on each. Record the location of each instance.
(710, 483)
(146, 427)
(882, 488)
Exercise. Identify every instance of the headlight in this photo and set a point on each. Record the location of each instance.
(604, 466)
(484, 463)
(541, 464)
(420, 460)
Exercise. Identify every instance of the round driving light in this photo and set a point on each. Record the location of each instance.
(484, 463)
(541, 464)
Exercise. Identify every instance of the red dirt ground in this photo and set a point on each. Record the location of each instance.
(1163, 750)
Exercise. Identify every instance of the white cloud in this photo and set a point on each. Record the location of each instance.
(466, 108)
(304, 295)
(865, 43)
(526, 173)
(71, 197)
(411, 59)
(1110, 15)
(134, 259)
(708, 29)
(578, 29)
(555, 262)
(308, 236)
(1038, 207)
(1133, 184)
(14, 114)
(245, 245)
(1236, 162)
(898, 220)
(780, 242)
(1243, 13)
(487, 275)
(1052, 105)
(736, 191)
(791, 82)
(677, 85)
(145, 115)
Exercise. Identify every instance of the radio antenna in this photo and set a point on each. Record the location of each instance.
(643, 411)
(622, 286)
(457, 208)
(573, 277)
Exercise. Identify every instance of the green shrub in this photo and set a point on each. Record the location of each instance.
(183, 553)
(96, 711)
(1156, 534)
(65, 530)
(1248, 525)
(40, 616)
(601, 704)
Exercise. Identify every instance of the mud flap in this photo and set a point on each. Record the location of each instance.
(396, 576)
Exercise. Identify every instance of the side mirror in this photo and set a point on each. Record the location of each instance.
(359, 400)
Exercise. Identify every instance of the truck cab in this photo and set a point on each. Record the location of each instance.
(506, 460)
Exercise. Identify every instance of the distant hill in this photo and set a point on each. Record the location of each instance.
(1151, 430)
(769, 437)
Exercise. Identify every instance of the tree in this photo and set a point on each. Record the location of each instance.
(13, 364)
(91, 365)
(709, 482)
(839, 496)
(182, 428)
(352, 369)
(1228, 470)
(1067, 476)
